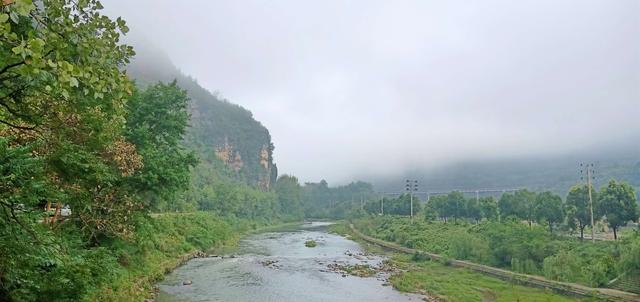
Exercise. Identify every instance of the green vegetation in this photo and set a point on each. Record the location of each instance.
(160, 245)
(215, 124)
(358, 270)
(615, 205)
(454, 284)
(76, 132)
(310, 243)
(511, 245)
(322, 201)
(154, 172)
(416, 274)
(618, 204)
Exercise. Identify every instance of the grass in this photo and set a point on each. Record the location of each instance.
(310, 243)
(457, 284)
(507, 245)
(446, 283)
(163, 243)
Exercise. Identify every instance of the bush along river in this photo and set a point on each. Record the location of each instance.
(303, 264)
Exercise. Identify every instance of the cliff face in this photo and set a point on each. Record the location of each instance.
(220, 131)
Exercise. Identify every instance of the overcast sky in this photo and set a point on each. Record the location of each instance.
(353, 88)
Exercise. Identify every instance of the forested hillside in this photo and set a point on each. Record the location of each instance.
(91, 162)
(220, 132)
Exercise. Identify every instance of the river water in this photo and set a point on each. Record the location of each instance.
(277, 266)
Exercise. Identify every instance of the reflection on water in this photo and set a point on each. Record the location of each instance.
(276, 266)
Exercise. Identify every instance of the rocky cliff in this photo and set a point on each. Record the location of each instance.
(220, 131)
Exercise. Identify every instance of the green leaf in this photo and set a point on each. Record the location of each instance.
(4, 18)
(14, 17)
(18, 49)
(36, 45)
(24, 7)
(73, 82)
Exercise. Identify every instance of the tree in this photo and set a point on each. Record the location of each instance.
(455, 205)
(156, 124)
(63, 90)
(549, 209)
(430, 213)
(402, 205)
(508, 206)
(59, 58)
(578, 209)
(525, 203)
(617, 201)
(489, 208)
(438, 204)
(473, 210)
(289, 194)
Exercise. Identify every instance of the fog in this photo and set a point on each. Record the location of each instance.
(352, 88)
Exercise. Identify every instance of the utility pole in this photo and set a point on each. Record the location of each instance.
(411, 186)
(589, 168)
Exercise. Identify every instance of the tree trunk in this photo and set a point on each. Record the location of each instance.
(550, 227)
(529, 224)
(582, 232)
(615, 234)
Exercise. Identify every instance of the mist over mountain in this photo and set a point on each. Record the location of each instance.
(226, 137)
(555, 173)
(389, 87)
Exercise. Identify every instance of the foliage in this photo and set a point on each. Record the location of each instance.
(322, 201)
(289, 194)
(549, 209)
(156, 122)
(489, 208)
(578, 207)
(158, 246)
(216, 122)
(510, 245)
(508, 207)
(60, 60)
(617, 201)
(630, 258)
(212, 192)
(74, 132)
(526, 201)
(453, 284)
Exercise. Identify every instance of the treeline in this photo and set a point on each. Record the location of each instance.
(214, 193)
(322, 201)
(614, 205)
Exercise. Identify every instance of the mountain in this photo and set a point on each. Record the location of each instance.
(225, 136)
(555, 173)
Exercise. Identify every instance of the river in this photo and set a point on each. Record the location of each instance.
(277, 266)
